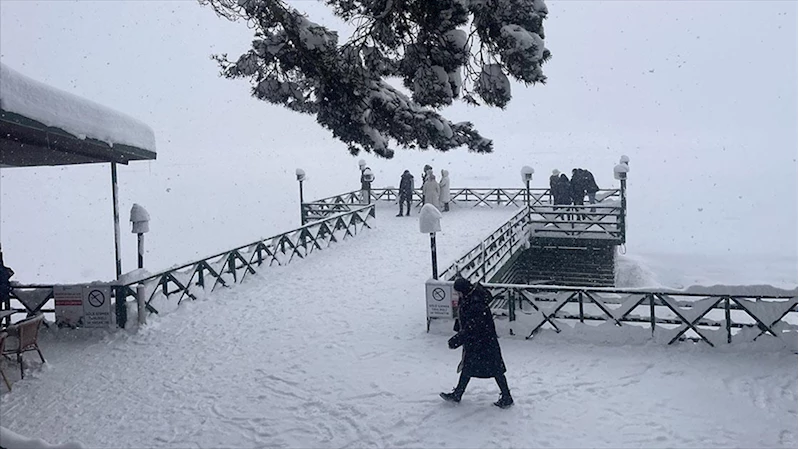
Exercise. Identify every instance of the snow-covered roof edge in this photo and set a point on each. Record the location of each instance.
(71, 113)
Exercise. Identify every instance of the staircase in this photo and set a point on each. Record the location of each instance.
(574, 266)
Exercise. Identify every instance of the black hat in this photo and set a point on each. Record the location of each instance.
(462, 285)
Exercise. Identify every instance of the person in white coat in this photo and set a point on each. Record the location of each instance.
(431, 191)
(443, 185)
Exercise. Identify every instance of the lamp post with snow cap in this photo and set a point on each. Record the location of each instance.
(527, 176)
(620, 172)
(140, 224)
(300, 178)
(430, 223)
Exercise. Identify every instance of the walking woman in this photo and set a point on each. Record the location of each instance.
(482, 357)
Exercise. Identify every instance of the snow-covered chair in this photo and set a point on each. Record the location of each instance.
(27, 336)
(3, 337)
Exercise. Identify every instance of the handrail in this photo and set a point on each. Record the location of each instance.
(764, 314)
(485, 259)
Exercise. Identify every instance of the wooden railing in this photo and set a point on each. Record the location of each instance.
(223, 269)
(594, 221)
(486, 259)
(712, 318)
(601, 221)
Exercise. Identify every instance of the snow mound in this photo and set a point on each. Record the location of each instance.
(78, 116)
(13, 440)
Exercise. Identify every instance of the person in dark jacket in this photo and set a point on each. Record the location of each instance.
(578, 187)
(482, 356)
(591, 188)
(561, 192)
(405, 191)
(578, 190)
(553, 181)
(5, 281)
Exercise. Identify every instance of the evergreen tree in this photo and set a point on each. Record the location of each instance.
(302, 66)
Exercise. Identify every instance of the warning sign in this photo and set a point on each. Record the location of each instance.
(439, 299)
(68, 304)
(83, 305)
(97, 310)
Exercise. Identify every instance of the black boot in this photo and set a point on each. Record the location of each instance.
(505, 400)
(456, 394)
(451, 397)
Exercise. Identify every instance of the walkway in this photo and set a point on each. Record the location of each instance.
(332, 352)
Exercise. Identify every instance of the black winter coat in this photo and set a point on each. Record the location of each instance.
(406, 186)
(482, 356)
(561, 191)
(590, 183)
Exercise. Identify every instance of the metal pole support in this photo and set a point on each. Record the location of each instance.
(141, 250)
(623, 215)
(140, 303)
(302, 210)
(121, 306)
(115, 200)
(433, 252)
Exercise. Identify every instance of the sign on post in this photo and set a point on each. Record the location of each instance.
(97, 308)
(68, 304)
(439, 299)
(84, 305)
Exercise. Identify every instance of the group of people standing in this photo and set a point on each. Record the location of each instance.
(566, 192)
(433, 192)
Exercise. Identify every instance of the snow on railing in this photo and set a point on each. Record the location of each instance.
(224, 269)
(486, 259)
(233, 266)
(669, 315)
(603, 220)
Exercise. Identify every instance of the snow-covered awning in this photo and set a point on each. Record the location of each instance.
(42, 125)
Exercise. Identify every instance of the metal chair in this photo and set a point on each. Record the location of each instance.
(27, 333)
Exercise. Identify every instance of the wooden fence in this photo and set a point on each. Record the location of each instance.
(224, 269)
(485, 260)
(603, 221)
(712, 318)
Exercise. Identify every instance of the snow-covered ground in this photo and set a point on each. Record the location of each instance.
(332, 351)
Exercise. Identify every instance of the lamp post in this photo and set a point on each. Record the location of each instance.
(140, 221)
(300, 178)
(620, 172)
(430, 223)
(527, 176)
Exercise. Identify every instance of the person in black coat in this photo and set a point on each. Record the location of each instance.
(5, 281)
(561, 192)
(578, 187)
(591, 188)
(405, 192)
(482, 356)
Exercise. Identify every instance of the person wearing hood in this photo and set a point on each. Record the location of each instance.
(366, 182)
(425, 172)
(443, 185)
(482, 357)
(5, 281)
(431, 190)
(405, 191)
(553, 181)
(591, 188)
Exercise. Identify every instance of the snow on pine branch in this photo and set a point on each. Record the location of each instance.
(432, 46)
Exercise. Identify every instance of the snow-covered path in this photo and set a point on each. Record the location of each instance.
(332, 352)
